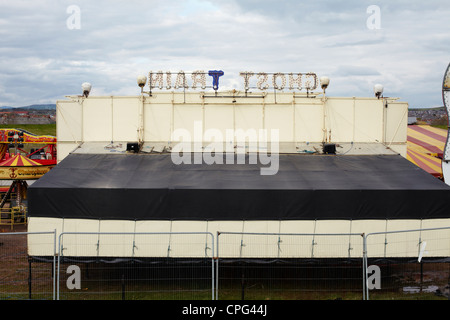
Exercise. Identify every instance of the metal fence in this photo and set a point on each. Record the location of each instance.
(289, 266)
(114, 266)
(23, 277)
(13, 216)
(408, 264)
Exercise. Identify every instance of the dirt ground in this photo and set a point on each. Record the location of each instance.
(16, 228)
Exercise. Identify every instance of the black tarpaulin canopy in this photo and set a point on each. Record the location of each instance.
(152, 187)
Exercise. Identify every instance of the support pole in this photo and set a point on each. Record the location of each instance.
(421, 275)
(123, 286)
(242, 283)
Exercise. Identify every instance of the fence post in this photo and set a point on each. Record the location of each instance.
(54, 264)
(29, 278)
(217, 266)
(365, 291)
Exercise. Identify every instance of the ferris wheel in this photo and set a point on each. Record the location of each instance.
(446, 99)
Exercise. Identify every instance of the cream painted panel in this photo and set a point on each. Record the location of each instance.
(189, 117)
(193, 244)
(226, 226)
(117, 118)
(368, 226)
(248, 117)
(64, 149)
(97, 119)
(293, 246)
(397, 245)
(401, 149)
(153, 226)
(375, 244)
(258, 246)
(435, 223)
(43, 244)
(157, 122)
(339, 120)
(403, 244)
(308, 122)
(80, 244)
(281, 118)
(403, 224)
(396, 122)
(68, 121)
(152, 245)
(229, 244)
(125, 118)
(368, 120)
(116, 244)
(218, 118)
(336, 246)
(297, 226)
(435, 242)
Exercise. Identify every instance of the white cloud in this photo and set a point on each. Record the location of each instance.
(42, 60)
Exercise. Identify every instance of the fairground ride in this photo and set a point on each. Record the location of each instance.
(23, 156)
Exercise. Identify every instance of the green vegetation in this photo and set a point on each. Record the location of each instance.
(445, 127)
(425, 108)
(37, 129)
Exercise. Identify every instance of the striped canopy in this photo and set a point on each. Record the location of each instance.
(426, 147)
(19, 161)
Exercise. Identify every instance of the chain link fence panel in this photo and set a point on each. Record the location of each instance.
(23, 277)
(289, 266)
(136, 266)
(408, 264)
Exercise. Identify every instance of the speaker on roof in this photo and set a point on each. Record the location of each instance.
(329, 148)
(133, 147)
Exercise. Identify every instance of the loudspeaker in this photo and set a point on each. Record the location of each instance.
(329, 148)
(133, 146)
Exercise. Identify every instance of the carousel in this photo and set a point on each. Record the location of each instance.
(16, 172)
(19, 169)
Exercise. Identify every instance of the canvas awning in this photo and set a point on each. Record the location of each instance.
(19, 161)
(152, 187)
(22, 168)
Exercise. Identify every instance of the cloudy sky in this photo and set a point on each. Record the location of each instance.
(48, 48)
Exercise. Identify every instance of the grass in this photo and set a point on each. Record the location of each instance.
(440, 127)
(37, 129)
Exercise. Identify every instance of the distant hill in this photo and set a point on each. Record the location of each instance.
(427, 108)
(31, 107)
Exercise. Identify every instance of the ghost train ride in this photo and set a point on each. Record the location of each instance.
(341, 170)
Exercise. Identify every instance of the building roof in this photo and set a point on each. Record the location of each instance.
(153, 187)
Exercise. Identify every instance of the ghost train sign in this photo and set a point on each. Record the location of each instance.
(203, 80)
